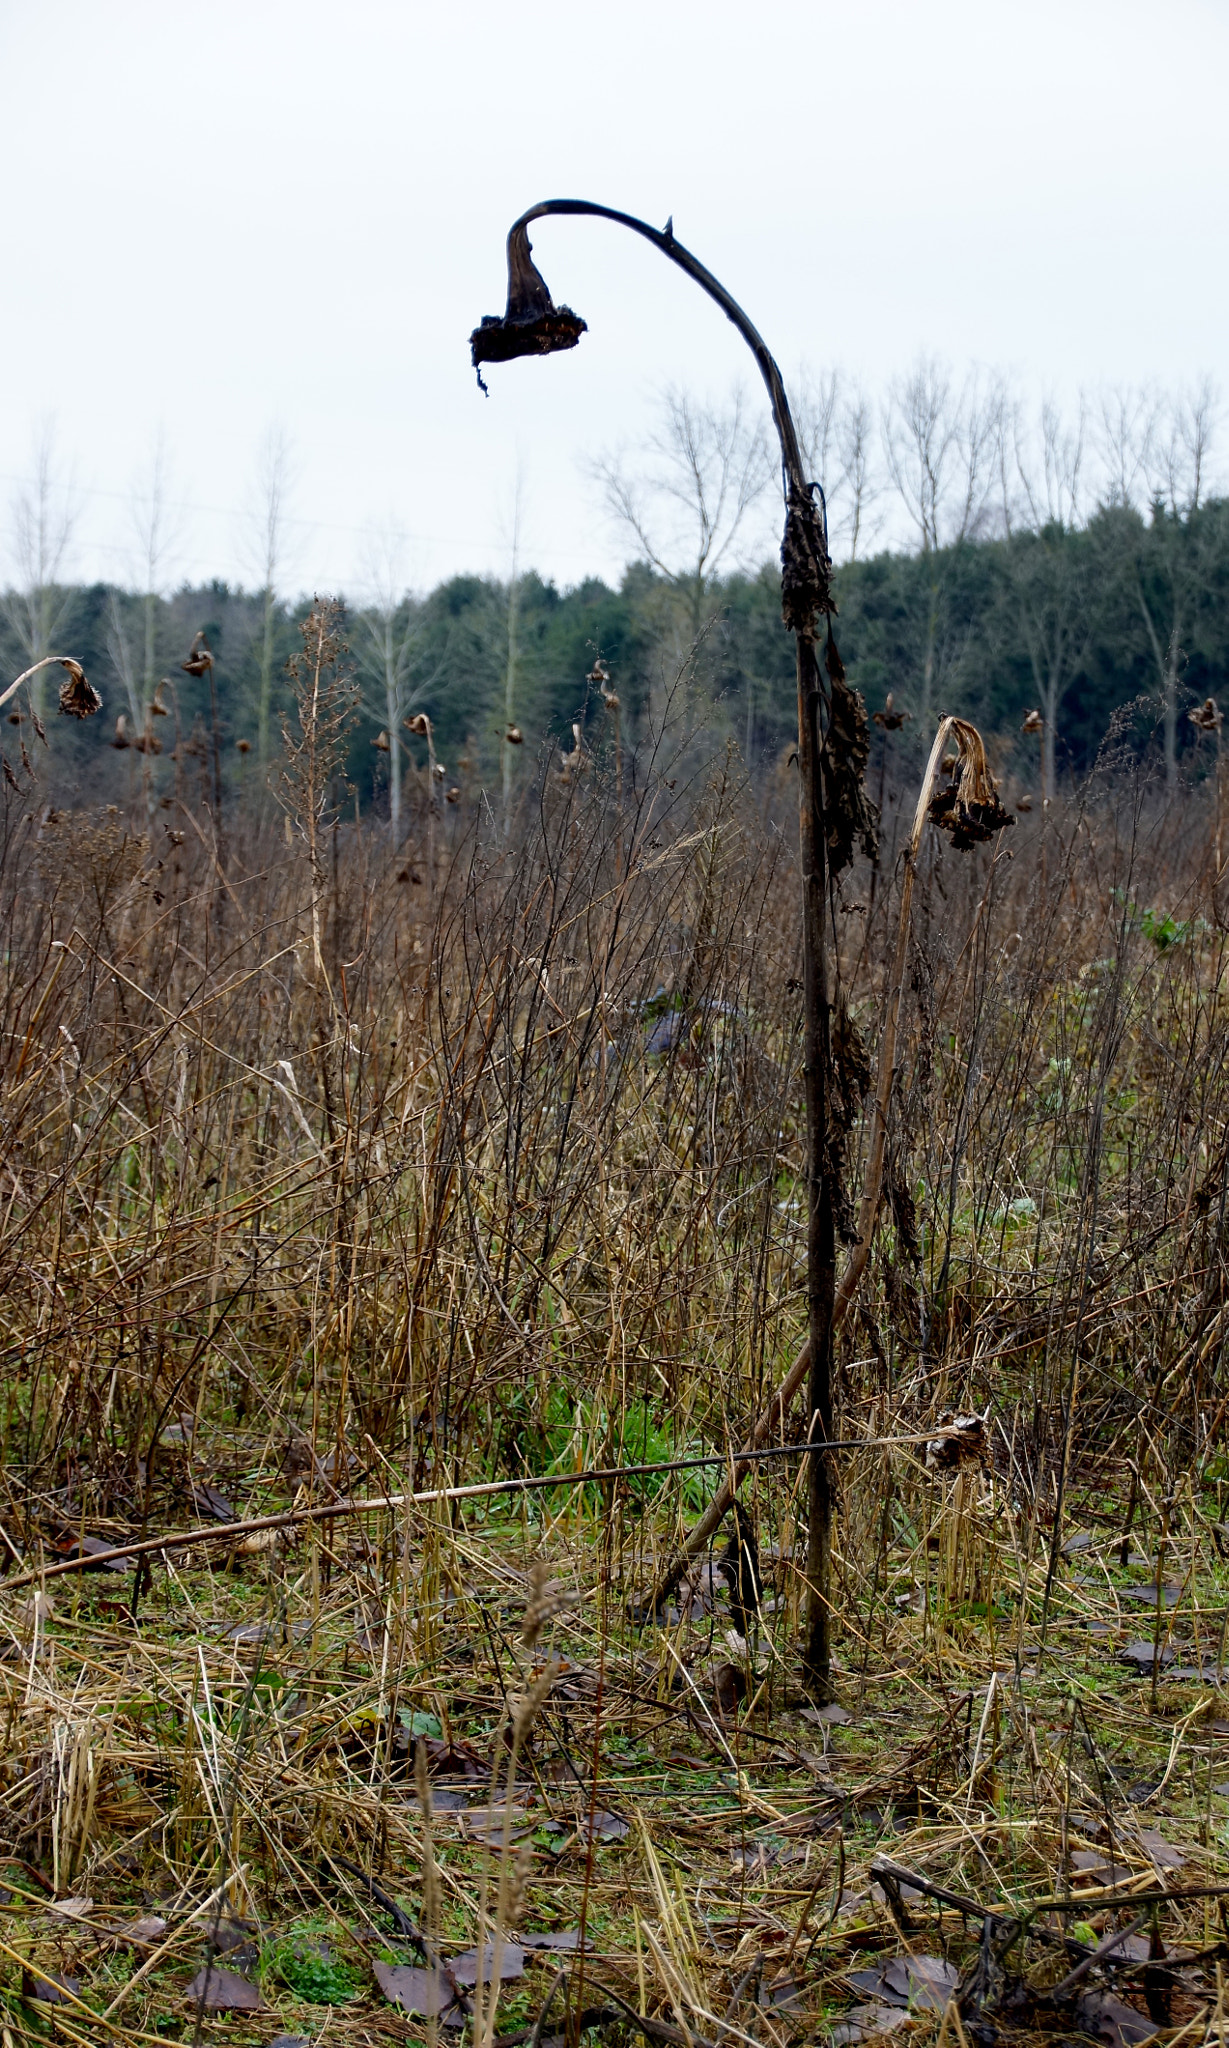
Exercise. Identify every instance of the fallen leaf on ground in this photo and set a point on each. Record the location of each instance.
(833, 1715)
(95, 1546)
(563, 1938)
(426, 1993)
(208, 1501)
(223, 1991)
(72, 1909)
(925, 1981)
(866, 2022)
(784, 1994)
(149, 1928)
(1099, 1869)
(48, 1987)
(1145, 1656)
(1162, 1852)
(1108, 2019)
(444, 1800)
(465, 1967)
(606, 1827)
(501, 1825)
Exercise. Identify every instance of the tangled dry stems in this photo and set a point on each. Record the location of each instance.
(317, 1180)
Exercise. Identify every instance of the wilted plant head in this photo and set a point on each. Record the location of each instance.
(1033, 723)
(121, 739)
(200, 657)
(1206, 717)
(514, 736)
(532, 324)
(890, 719)
(962, 1440)
(967, 805)
(419, 725)
(382, 743)
(78, 697)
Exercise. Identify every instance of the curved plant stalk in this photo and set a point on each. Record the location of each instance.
(970, 792)
(833, 811)
(78, 698)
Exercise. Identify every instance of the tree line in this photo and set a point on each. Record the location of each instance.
(1031, 571)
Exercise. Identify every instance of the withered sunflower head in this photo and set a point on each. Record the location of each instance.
(78, 697)
(532, 324)
(967, 805)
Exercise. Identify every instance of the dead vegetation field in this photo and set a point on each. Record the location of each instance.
(333, 1174)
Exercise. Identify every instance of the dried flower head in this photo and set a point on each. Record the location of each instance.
(1025, 802)
(967, 806)
(200, 657)
(157, 708)
(453, 795)
(532, 324)
(78, 697)
(121, 739)
(963, 1440)
(243, 746)
(514, 736)
(382, 743)
(1033, 723)
(890, 720)
(1206, 717)
(419, 725)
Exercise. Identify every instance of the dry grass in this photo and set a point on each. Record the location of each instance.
(321, 1178)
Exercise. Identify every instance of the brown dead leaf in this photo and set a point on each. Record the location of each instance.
(464, 1967)
(425, 1993)
(223, 1991)
(48, 1987)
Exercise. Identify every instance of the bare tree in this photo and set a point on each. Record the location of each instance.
(43, 519)
(1042, 469)
(156, 524)
(836, 430)
(688, 503)
(939, 446)
(268, 520)
(390, 628)
(1126, 428)
(1156, 453)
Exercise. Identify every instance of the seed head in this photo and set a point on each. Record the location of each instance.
(78, 697)
(200, 657)
(547, 1598)
(967, 806)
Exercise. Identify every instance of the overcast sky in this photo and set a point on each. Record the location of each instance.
(256, 214)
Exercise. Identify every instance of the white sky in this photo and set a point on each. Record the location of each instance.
(226, 217)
